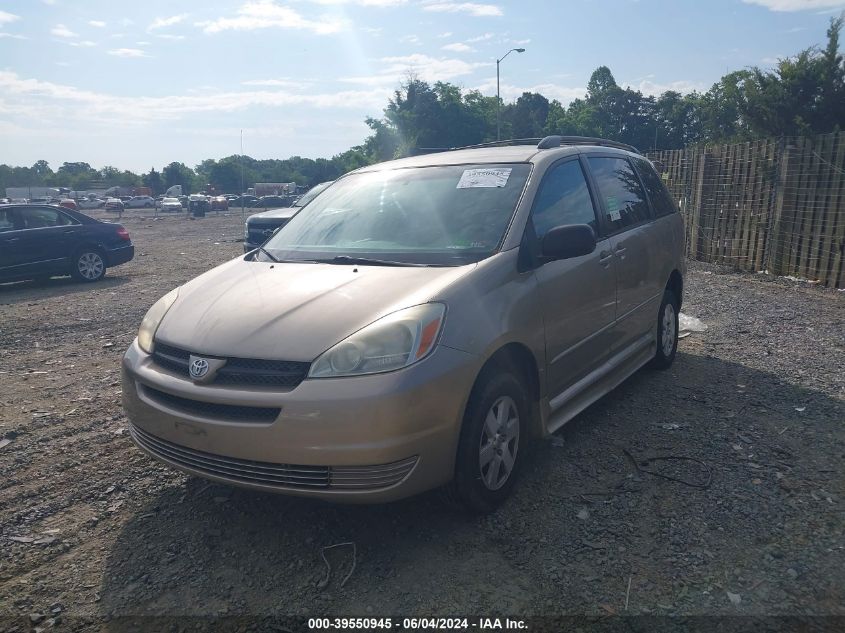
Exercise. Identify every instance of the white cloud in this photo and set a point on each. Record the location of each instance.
(796, 5)
(128, 52)
(142, 43)
(443, 36)
(126, 22)
(60, 30)
(521, 42)
(363, 3)
(160, 23)
(7, 18)
(262, 14)
(168, 36)
(509, 92)
(42, 100)
(481, 38)
(427, 68)
(83, 44)
(97, 23)
(684, 86)
(472, 8)
(458, 47)
(410, 39)
(278, 83)
(49, 2)
(14, 36)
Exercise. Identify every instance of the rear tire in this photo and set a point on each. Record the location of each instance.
(88, 265)
(667, 332)
(492, 443)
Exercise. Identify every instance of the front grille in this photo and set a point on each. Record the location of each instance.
(212, 410)
(256, 231)
(276, 475)
(237, 371)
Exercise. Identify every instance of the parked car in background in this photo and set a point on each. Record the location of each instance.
(114, 204)
(91, 203)
(415, 325)
(18, 201)
(39, 241)
(171, 205)
(271, 202)
(69, 204)
(244, 200)
(219, 203)
(260, 227)
(140, 202)
(5, 201)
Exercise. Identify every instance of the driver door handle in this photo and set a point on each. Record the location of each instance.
(604, 258)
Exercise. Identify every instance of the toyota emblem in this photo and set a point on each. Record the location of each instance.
(198, 368)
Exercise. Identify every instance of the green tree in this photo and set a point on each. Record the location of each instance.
(153, 181)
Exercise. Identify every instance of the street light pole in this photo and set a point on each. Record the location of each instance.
(498, 94)
(242, 174)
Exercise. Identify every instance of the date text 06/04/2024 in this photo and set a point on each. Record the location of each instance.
(417, 624)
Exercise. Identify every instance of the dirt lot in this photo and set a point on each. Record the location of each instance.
(756, 527)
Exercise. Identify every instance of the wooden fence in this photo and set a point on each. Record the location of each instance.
(774, 204)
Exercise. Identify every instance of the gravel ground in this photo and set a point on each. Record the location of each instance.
(745, 517)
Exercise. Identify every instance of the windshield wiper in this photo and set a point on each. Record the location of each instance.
(269, 254)
(364, 261)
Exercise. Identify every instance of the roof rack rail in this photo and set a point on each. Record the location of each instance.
(505, 142)
(556, 141)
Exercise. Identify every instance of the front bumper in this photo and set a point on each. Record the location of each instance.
(364, 439)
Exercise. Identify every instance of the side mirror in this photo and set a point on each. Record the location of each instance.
(565, 242)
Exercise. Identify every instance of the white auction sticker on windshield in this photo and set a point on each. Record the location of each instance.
(472, 178)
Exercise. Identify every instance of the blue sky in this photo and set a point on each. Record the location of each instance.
(138, 84)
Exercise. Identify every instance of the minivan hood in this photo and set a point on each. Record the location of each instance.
(294, 312)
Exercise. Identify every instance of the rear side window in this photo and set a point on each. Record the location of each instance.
(661, 201)
(563, 199)
(619, 187)
(7, 220)
(43, 218)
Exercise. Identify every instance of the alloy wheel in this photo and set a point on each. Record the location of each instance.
(667, 342)
(499, 443)
(90, 266)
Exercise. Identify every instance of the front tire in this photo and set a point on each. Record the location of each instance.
(667, 332)
(493, 440)
(89, 265)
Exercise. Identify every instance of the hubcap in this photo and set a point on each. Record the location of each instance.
(668, 340)
(90, 265)
(499, 443)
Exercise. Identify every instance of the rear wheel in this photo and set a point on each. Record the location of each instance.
(88, 265)
(491, 443)
(667, 332)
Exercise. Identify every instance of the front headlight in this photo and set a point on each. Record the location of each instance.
(394, 341)
(153, 318)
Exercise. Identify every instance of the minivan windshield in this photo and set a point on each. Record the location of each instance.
(437, 215)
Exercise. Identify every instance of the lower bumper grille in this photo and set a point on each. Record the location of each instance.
(212, 410)
(276, 475)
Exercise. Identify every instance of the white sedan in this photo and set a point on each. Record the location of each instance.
(171, 204)
(140, 202)
(91, 203)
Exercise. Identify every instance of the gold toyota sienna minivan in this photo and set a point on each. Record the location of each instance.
(416, 325)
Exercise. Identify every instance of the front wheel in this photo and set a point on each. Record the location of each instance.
(491, 444)
(667, 332)
(88, 265)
